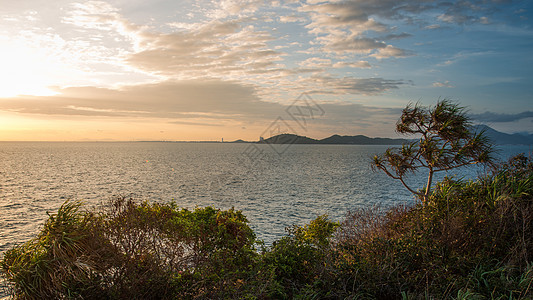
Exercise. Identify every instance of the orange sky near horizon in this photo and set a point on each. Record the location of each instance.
(117, 70)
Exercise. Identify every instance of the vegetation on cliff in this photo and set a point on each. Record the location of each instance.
(463, 239)
(472, 240)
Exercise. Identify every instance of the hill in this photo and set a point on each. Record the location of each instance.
(336, 139)
(288, 138)
(501, 138)
(360, 140)
(497, 137)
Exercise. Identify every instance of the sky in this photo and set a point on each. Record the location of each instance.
(130, 70)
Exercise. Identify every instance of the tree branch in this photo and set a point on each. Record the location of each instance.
(456, 166)
(408, 188)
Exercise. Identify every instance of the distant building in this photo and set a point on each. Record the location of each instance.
(261, 139)
(222, 140)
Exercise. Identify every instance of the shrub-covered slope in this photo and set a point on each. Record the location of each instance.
(471, 240)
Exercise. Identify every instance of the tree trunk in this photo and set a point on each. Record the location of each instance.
(428, 186)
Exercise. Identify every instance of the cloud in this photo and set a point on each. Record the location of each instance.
(316, 62)
(397, 36)
(359, 15)
(349, 85)
(368, 86)
(101, 16)
(229, 48)
(484, 20)
(217, 48)
(443, 84)
(341, 44)
(469, 12)
(463, 55)
(491, 117)
(225, 8)
(214, 49)
(291, 19)
(390, 51)
(214, 103)
(358, 64)
(345, 27)
(446, 18)
(341, 26)
(172, 99)
(432, 26)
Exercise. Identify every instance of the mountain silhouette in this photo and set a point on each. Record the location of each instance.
(288, 138)
(496, 137)
(501, 138)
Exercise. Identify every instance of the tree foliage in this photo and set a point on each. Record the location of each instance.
(131, 250)
(474, 241)
(446, 140)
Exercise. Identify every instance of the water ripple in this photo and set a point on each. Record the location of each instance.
(274, 191)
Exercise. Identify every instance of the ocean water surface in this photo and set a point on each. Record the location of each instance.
(275, 186)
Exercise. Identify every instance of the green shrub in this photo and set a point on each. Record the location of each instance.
(64, 260)
(134, 251)
(470, 240)
(300, 261)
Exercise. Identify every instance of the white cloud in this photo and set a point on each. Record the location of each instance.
(390, 51)
(237, 46)
(171, 99)
(341, 43)
(328, 84)
(358, 64)
(316, 62)
(220, 49)
(291, 19)
(446, 18)
(232, 50)
(241, 8)
(200, 103)
(99, 21)
(445, 84)
(463, 55)
(432, 26)
(484, 20)
(345, 27)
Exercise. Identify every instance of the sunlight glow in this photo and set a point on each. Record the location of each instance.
(24, 70)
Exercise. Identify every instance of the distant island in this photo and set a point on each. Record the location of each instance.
(336, 139)
(496, 137)
(500, 138)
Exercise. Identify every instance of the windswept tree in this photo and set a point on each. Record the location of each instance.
(446, 141)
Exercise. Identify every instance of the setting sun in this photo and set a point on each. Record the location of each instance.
(250, 149)
(231, 68)
(25, 70)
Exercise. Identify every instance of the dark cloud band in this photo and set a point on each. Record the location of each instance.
(490, 117)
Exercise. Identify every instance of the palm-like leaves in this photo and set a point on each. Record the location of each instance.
(446, 141)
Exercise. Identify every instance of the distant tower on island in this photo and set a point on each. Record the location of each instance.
(222, 140)
(261, 139)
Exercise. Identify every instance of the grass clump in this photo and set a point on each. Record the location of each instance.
(133, 251)
(62, 261)
(469, 240)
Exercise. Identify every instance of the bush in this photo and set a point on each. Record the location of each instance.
(471, 237)
(64, 259)
(470, 240)
(301, 261)
(197, 253)
(133, 251)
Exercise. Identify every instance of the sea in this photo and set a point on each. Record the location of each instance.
(275, 186)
